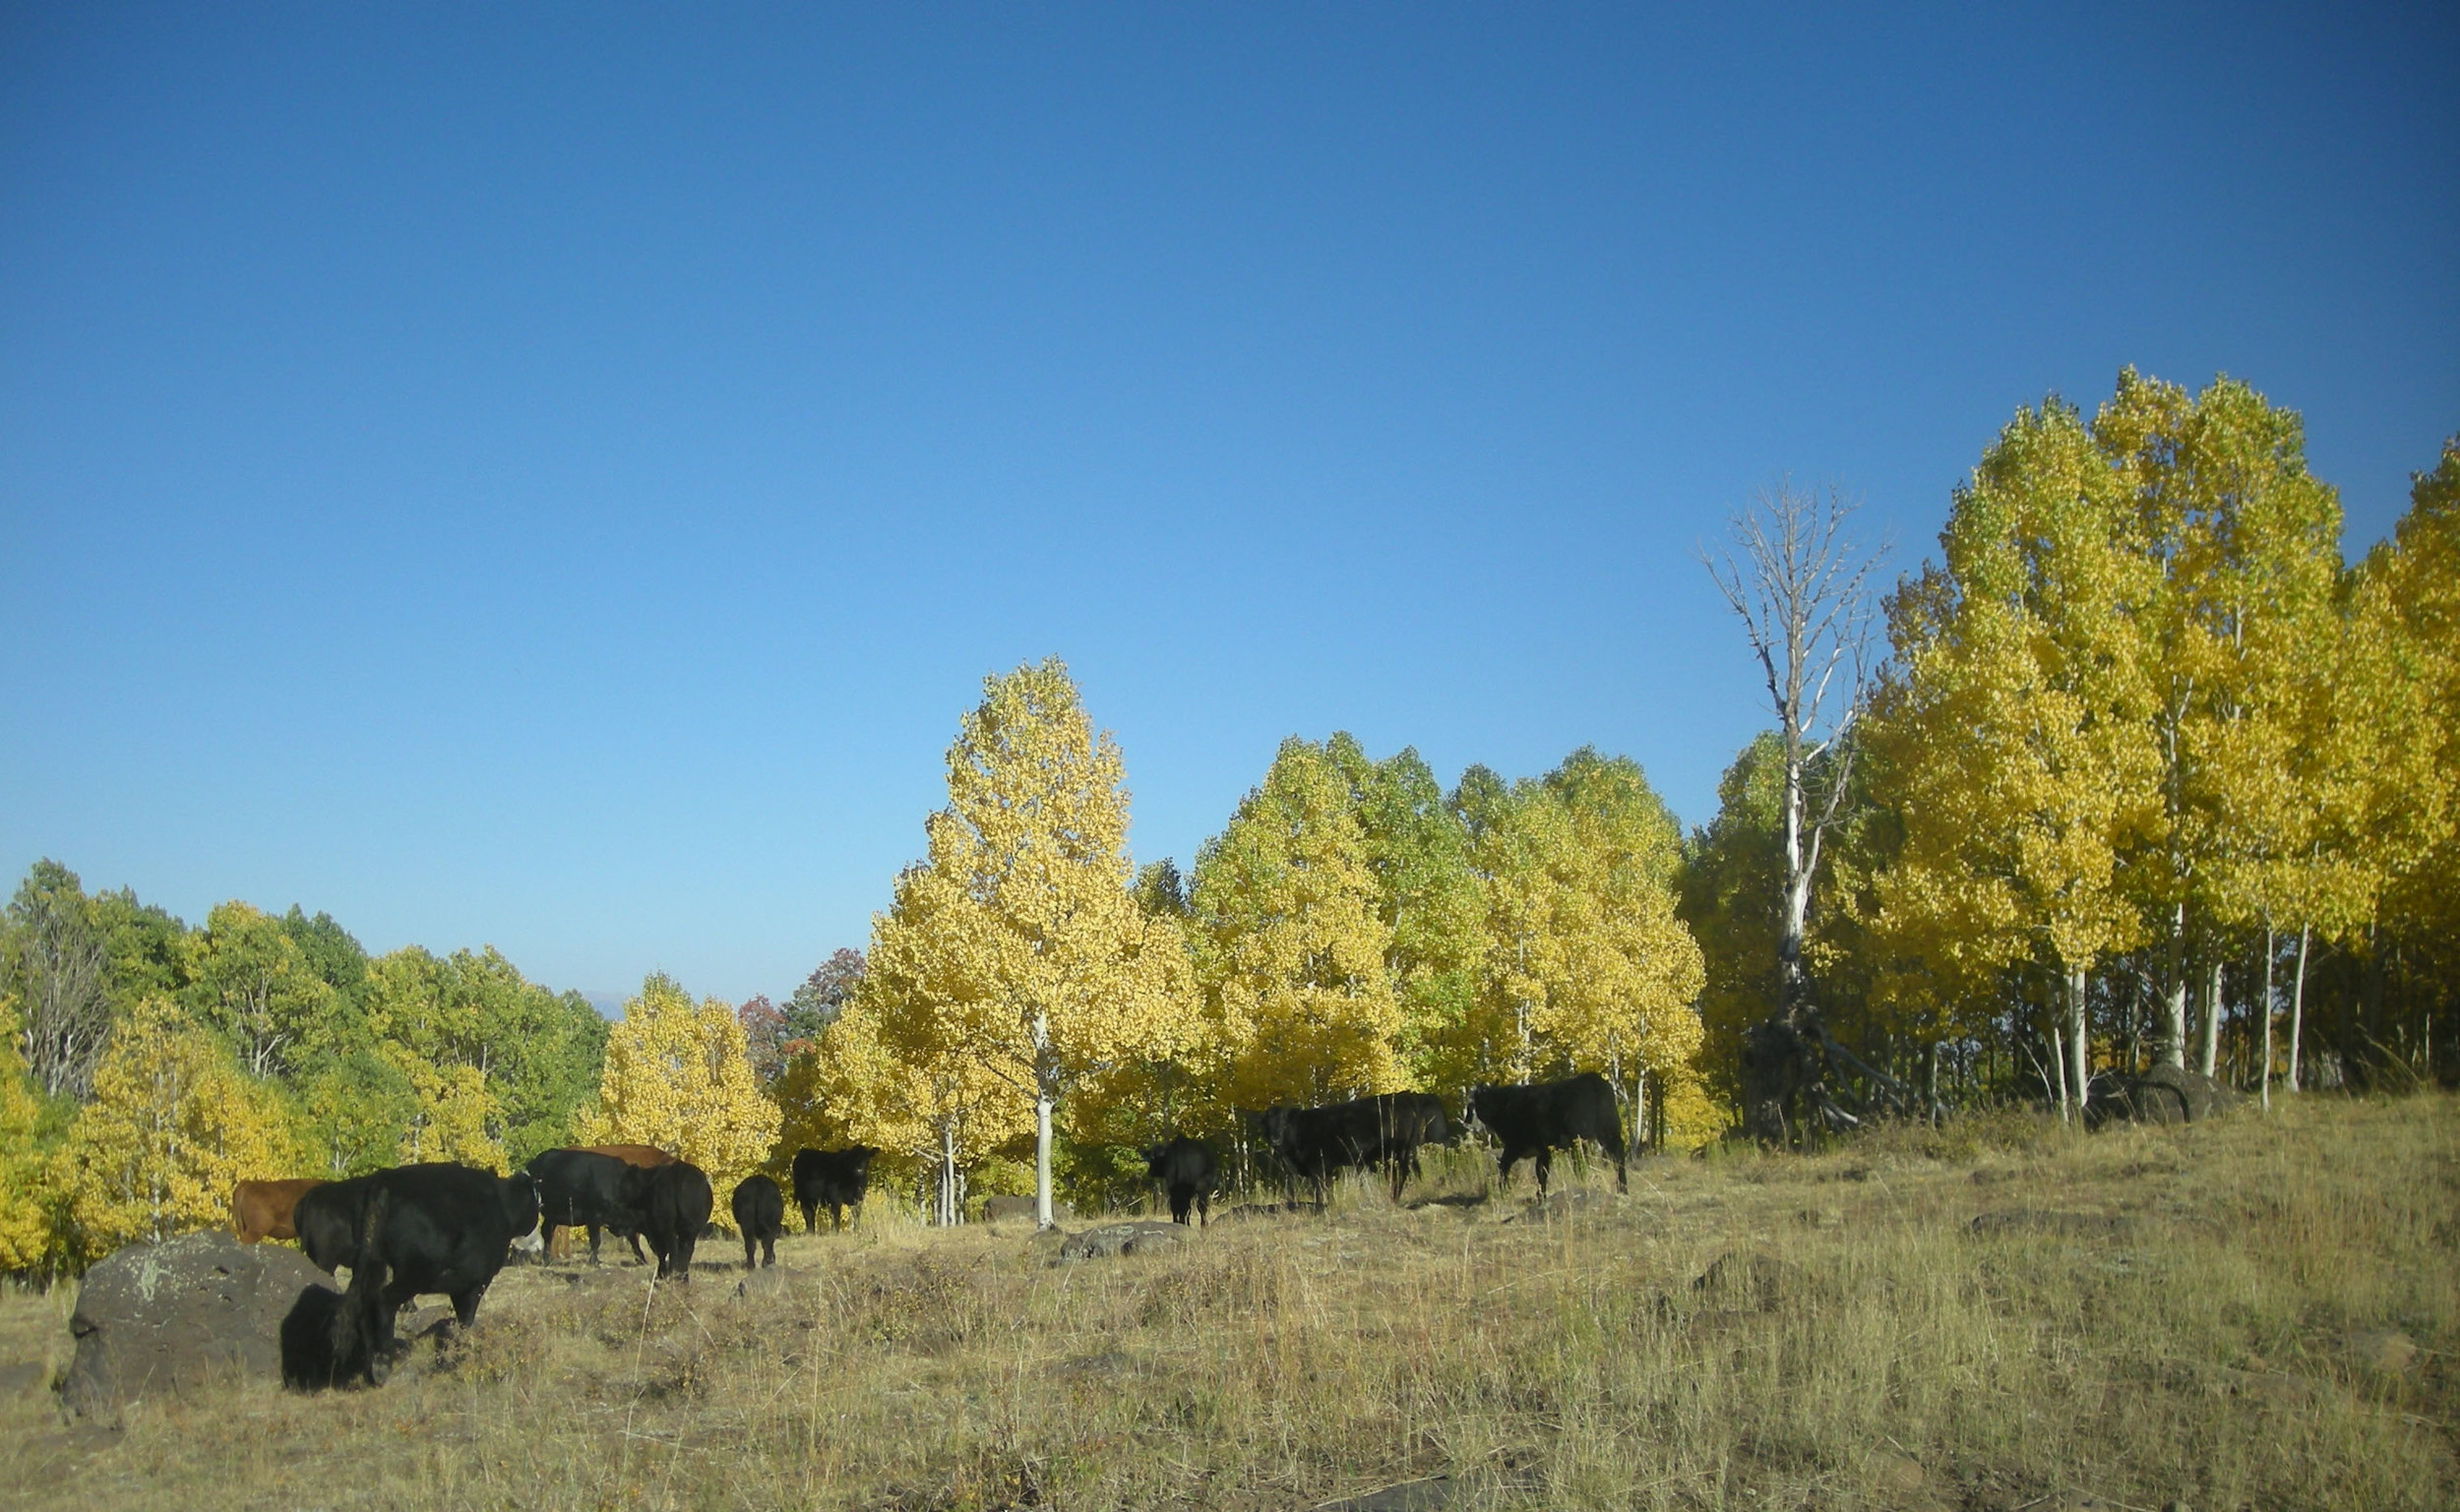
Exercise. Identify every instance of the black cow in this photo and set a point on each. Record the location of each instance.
(1552, 1116)
(832, 1179)
(759, 1211)
(334, 1338)
(410, 1231)
(673, 1202)
(1384, 1130)
(1185, 1167)
(330, 1220)
(584, 1189)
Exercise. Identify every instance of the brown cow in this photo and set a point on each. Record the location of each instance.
(261, 1210)
(559, 1239)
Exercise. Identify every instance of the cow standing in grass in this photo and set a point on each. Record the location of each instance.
(832, 1179)
(759, 1210)
(673, 1202)
(1386, 1131)
(557, 1236)
(1552, 1116)
(584, 1189)
(1186, 1170)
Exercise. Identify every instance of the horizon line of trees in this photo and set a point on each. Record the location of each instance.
(2148, 772)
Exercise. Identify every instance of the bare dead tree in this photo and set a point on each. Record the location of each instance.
(1793, 575)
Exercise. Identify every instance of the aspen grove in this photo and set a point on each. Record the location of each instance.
(2140, 770)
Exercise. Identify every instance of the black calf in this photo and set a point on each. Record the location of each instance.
(759, 1211)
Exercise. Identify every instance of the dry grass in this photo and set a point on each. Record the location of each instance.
(2143, 1319)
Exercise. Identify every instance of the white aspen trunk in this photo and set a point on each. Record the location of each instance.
(2212, 1022)
(1042, 1102)
(2080, 1031)
(2269, 942)
(2175, 1051)
(1045, 1098)
(946, 1216)
(2059, 1063)
(2298, 1006)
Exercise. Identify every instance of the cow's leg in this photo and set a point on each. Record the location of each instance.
(811, 1212)
(750, 1248)
(769, 1249)
(1545, 1166)
(1203, 1207)
(1622, 1166)
(593, 1244)
(634, 1237)
(837, 1216)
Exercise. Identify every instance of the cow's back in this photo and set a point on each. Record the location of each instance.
(646, 1156)
(326, 1219)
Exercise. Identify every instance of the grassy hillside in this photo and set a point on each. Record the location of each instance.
(2260, 1313)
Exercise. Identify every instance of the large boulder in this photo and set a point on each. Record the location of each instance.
(157, 1319)
(2165, 1094)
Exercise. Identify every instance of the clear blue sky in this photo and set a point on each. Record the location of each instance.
(555, 477)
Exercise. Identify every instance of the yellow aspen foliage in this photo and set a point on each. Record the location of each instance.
(173, 1123)
(1290, 947)
(1622, 972)
(1017, 945)
(678, 1077)
(2017, 736)
(429, 1037)
(2416, 628)
(1586, 968)
(450, 1111)
(24, 1174)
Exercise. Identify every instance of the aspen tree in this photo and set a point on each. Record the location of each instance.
(25, 1172)
(2223, 513)
(428, 1037)
(2015, 730)
(907, 1049)
(173, 1123)
(1020, 929)
(677, 1076)
(1290, 948)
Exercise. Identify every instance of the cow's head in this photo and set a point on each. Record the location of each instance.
(1276, 1126)
(523, 1200)
(1473, 1112)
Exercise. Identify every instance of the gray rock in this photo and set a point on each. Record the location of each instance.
(2165, 1094)
(158, 1319)
(1142, 1236)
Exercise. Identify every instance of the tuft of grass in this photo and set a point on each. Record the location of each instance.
(1997, 1315)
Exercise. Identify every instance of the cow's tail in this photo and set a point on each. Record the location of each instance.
(359, 1333)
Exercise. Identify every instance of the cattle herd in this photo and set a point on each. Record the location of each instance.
(440, 1228)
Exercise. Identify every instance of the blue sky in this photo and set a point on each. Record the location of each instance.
(554, 477)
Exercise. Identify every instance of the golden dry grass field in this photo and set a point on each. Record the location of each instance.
(2260, 1313)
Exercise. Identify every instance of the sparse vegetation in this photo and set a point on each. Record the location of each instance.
(2256, 1312)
